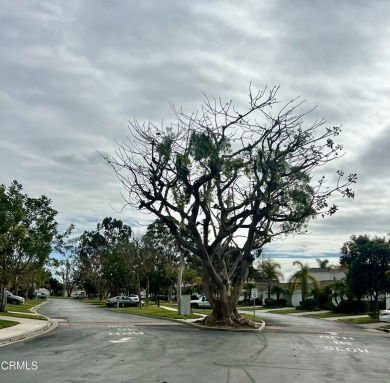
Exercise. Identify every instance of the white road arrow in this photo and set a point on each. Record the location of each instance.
(123, 340)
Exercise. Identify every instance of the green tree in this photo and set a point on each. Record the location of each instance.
(322, 263)
(367, 261)
(226, 176)
(160, 237)
(67, 266)
(303, 278)
(56, 288)
(339, 291)
(278, 290)
(27, 230)
(270, 273)
(99, 266)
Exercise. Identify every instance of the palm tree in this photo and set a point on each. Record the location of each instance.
(270, 272)
(278, 290)
(303, 277)
(322, 263)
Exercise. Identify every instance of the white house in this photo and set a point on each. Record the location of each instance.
(323, 275)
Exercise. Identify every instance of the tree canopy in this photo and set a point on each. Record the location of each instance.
(322, 263)
(100, 258)
(368, 264)
(303, 278)
(270, 272)
(27, 230)
(234, 179)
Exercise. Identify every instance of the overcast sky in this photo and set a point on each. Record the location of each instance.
(73, 73)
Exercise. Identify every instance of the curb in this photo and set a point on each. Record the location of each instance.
(50, 325)
(200, 327)
(250, 330)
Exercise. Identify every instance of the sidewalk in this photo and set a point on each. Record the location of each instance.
(26, 328)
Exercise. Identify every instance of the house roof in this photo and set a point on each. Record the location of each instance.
(326, 270)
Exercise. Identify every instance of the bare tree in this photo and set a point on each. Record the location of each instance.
(231, 181)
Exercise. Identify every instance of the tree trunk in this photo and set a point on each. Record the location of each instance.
(16, 287)
(3, 299)
(222, 295)
(139, 292)
(225, 314)
(147, 290)
(68, 290)
(375, 305)
(179, 282)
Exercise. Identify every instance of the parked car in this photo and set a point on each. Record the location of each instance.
(384, 316)
(14, 299)
(40, 295)
(200, 302)
(80, 295)
(124, 301)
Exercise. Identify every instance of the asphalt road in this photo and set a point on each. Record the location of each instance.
(96, 345)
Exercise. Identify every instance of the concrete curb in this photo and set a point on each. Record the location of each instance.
(192, 324)
(50, 325)
(250, 330)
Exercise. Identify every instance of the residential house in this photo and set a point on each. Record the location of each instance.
(324, 276)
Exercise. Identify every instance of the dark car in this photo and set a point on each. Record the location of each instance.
(14, 299)
(123, 301)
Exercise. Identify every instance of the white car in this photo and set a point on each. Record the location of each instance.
(80, 295)
(201, 302)
(384, 315)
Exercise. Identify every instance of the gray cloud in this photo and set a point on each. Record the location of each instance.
(72, 75)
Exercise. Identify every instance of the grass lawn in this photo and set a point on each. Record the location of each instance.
(60, 297)
(159, 311)
(23, 315)
(94, 301)
(24, 310)
(155, 310)
(7, 323)
(250, 317)
(203, 311)
(26, 306)
(327, 315)
(360, 320)
(250, 308)
(289, 311)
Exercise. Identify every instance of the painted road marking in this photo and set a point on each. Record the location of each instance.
(349, 349)
(123, 340)
(336, 337)
(340, 340)
(123, 330)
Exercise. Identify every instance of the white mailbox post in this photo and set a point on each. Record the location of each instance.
(185, 307)
(254, 295)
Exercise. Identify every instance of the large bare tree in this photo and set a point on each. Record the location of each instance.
(231, 181)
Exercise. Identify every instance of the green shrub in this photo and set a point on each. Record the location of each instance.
(281, 302)
(328, 306)
(351, 307)
(269, 302)
(308, 304)
(373, 314)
